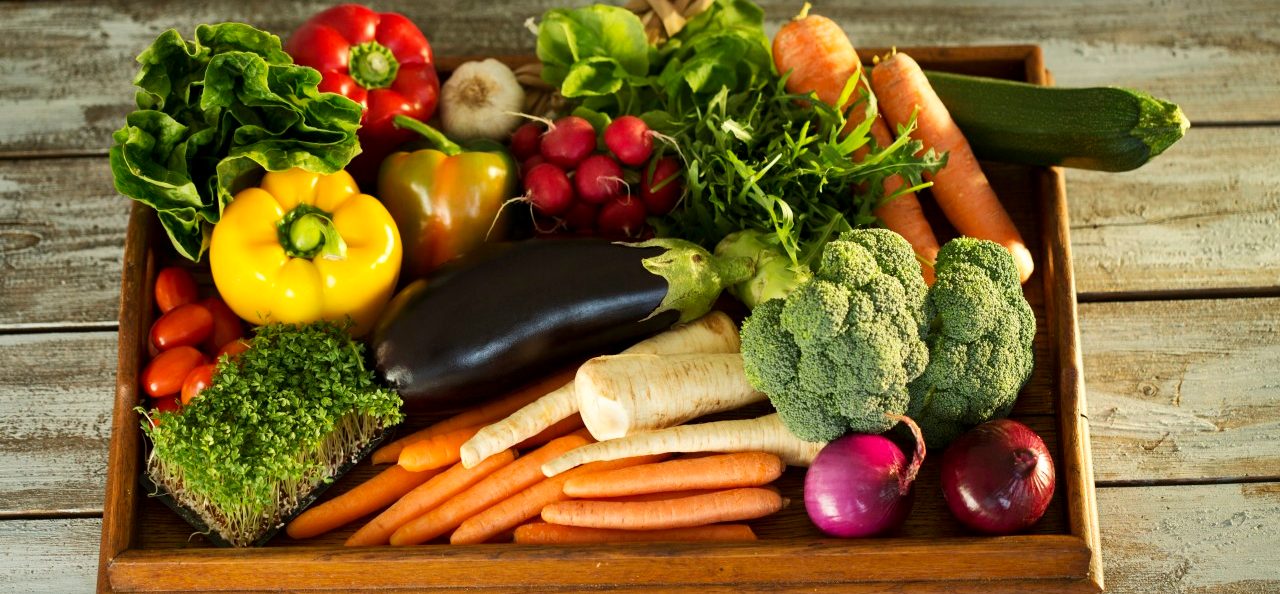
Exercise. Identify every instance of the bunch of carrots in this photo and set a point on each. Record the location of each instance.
(619, 490)
(821, 60)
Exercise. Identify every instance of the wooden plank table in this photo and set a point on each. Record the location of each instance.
(1177, 264)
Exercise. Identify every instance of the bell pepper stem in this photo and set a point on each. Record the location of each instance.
(308, 232)
(372, 65)
(435, 137)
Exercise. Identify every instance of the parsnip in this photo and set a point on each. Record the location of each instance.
(622, 394)
(763, 434)
(712, 333)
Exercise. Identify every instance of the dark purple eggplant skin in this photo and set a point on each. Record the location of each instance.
(508, 314)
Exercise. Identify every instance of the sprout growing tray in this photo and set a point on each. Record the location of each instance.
(147, 547)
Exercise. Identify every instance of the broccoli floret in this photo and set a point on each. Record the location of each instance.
(980, 335)
(836, 354)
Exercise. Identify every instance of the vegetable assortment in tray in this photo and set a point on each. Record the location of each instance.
(697, 305)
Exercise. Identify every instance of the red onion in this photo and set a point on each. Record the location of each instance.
(860, 485)
(998, 478)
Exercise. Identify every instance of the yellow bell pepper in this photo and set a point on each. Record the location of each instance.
(302, 247)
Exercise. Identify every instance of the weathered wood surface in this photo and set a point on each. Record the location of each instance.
(1183, 390)
(1206, 214)
(61, 243)
(68, 65)
(1172, 540)
(55, 422)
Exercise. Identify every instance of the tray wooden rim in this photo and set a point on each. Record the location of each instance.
(1063, 562)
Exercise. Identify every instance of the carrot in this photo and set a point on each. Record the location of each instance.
(527, 504)
(485, 413)
(559, 428)
(430, 494)
(961, 189)
(366, 498)
(511, 479)
(696, 510)
(623, 394)
(746, 469)
(544, 533)
(764, 434)
(712, 333)
(436, 451)
(821, 60)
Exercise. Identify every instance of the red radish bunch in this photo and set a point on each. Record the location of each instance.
(576, 188)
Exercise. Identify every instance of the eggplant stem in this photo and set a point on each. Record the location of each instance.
(905, 480)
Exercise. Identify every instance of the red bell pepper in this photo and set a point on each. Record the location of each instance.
(379, 60)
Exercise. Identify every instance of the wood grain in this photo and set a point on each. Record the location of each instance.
(1205, 538)
(55, 426)
(1206, 214)
(49, 555)
(68, 65)
(1183, 390)
(61, 233)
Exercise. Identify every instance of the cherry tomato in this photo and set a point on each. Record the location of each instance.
(185, 325)
(199, 379)
(174, 287)
(226, 324)
(233, 348)
(164, 375)
(168, 404)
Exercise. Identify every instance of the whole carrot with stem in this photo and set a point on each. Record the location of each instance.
(367, 497)
(511, 479)
(820, 59)
(527, 504)
(724, 471)
(695, 510)
(960, 188)
(436, 451)
(712, 333)
(544, 533)
(480, 415)
(763, 434)
(426, 497)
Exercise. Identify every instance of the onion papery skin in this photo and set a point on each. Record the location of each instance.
(998, 478)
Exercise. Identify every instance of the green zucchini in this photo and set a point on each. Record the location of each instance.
(1100, 128)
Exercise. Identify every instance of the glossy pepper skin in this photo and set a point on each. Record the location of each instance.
(302, 247)
(444, 200)
(379, 60)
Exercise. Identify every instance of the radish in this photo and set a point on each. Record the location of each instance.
(548, 189)
(598, 178)
(569, 141)
(660, 190)
(581, 216)
(526, 141)
(530, 163)
(629, 139)
(623, 216)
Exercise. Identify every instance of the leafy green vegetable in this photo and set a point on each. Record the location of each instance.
(270, 428)
(756, 157)
(214, 112)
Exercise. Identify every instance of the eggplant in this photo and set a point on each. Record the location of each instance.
(505, 314)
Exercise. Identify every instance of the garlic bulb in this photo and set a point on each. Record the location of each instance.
(480, 100)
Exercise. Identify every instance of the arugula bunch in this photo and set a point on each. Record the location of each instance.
(272, 426)
(756, 156)
(214, 112)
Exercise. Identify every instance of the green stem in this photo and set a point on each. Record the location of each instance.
(372, 65)
(695, 278)
(435, 137)
(308, 232)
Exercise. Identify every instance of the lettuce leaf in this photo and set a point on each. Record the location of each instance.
(214, 113)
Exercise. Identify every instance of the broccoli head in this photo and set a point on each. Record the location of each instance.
(836, 354)
(980, 335)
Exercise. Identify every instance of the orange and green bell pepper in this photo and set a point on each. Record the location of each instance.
(444, 199)
(303, 247)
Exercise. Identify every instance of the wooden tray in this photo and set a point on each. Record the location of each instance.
(146, 547)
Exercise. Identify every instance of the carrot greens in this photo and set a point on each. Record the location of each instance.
(272, 426)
